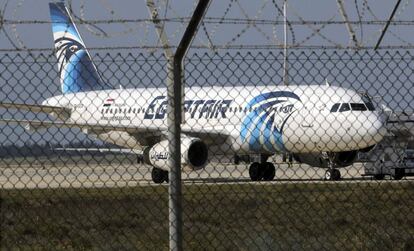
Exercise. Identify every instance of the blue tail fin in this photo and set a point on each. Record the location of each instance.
(76, 70)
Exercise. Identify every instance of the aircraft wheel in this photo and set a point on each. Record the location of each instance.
(337, 174)
(269, 171)
(399, 174)
(332, 174)
(236, 159)
(255, 171)
(379, 176)
(328, 175)
(159, 175)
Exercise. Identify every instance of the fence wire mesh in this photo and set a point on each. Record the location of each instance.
(265, 166)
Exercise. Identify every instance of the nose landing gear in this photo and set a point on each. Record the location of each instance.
(332, 174)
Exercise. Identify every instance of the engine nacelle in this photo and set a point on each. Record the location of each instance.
(340, 159)
(343, 159)
(194, 154)
(368, 149)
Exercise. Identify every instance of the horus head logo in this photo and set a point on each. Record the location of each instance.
(65, 49)
(266, 118)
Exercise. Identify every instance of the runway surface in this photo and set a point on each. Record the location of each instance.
(94, 175)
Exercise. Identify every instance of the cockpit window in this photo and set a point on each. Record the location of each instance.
(344, 107)
(335, 107)
(348, 107)
(368, 102)
(358, 107)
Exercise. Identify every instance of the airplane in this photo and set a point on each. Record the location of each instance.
(320, 125)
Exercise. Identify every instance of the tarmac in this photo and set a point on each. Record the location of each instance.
(94, 175)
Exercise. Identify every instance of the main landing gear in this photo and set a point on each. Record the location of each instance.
(332, 173)
(262, 171)
(159, 176)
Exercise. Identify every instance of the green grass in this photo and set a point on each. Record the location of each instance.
(346, 216)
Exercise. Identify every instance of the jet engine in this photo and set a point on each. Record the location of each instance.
(194, 154)
(339, 159)
(368, 149)
(343, 159)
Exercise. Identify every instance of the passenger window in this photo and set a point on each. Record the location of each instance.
(335, 107)
(344, 107)
(358, 107)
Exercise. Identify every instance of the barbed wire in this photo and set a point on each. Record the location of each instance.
(360, 16)
(19, 41)
(249, 21)
(217, 20)
(375, 35)
(229, 47)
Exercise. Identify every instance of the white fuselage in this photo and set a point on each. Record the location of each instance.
(257, 119)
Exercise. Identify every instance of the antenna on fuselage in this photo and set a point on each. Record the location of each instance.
(326, 82)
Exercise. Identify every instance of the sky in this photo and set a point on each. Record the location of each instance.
(142, 33)
(30, 83)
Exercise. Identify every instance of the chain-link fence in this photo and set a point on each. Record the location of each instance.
(265, 166)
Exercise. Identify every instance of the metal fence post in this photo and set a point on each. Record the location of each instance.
(175, 103)
(174, 125)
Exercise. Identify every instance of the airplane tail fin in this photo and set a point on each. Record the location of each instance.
(77, 71)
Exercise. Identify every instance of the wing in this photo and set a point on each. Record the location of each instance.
(62, 113)
(32, 125)
(101, 150)
(208, 135)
